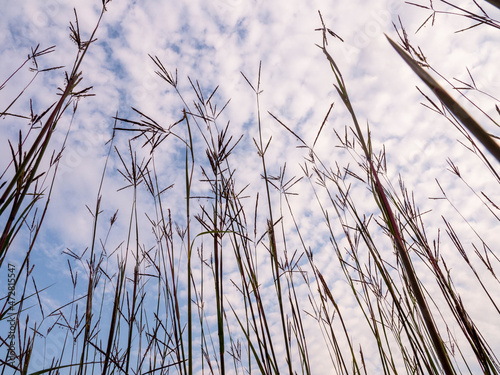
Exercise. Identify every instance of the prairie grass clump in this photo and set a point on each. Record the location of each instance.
(231, 280)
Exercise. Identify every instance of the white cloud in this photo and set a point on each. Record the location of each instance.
(212, 43)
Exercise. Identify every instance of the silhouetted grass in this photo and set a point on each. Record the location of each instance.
(170, 305)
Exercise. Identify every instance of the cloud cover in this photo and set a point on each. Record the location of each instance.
(213, 43)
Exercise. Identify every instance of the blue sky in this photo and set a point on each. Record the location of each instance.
(213, 42)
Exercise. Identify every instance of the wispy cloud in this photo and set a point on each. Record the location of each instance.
(212, 44)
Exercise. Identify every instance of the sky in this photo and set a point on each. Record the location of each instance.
(214, 43)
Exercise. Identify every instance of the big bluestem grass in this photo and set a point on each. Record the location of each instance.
(218, 286)
(26, 189)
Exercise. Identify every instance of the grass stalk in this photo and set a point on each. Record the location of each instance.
(472, 125)
(391, 222)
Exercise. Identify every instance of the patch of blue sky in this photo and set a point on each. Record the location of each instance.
(242, 29)
(114, 31)
(113, 64)
(175, 47)
(19, 37)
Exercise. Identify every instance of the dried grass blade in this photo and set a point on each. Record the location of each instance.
(451, 104)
